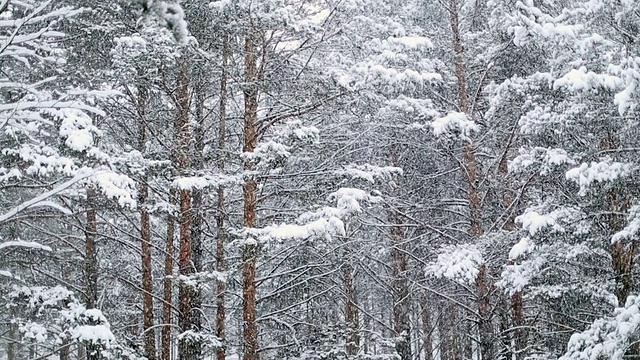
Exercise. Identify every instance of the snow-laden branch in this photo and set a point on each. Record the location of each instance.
(40, 200)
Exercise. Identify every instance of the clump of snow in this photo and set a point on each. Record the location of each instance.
(34, 331)
(522, 247)
(581, 79)
(93, 334)
(455, 123)
(516, 277)
(459, 263)
(587, 174)
(533, 222)
(77, 129)
(207, 340)
(116, 186)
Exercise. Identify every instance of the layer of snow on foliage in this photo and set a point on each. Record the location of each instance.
(34, 331)
(545, 158)
(581, 79)
(201, 182)
(348, 200)
(587, 174)
(369, 172)
(632, 228)
(459, 263)
(326, 222)
(455, 122)
(412, 41)
(208, 340)
(609, 337)
(522, 247)
(317, 228)
(516, 277)
(24, 244)
(116, 186)
(201, 279)
(533, 222)
(94, 334)
(77, 129)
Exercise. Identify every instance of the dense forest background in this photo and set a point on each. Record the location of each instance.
(319, 179)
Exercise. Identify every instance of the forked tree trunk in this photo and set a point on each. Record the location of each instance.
(167, 308)
(250, 189)
(220, 209)
(145, 236)
(475, 204)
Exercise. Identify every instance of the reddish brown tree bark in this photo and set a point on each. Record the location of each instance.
(187, 350)
(167, 308)
(399, 282)
(351, 312)
(220, 209)
(485, 327)
(145, 236)
(249, 253)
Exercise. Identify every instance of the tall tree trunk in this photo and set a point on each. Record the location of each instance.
(427, 341)
(475, 204)
(197, 211)
(622, 255)
(12, 341)
(351, 310)
(91, 263)
(187, 350)
(220, 209)
(145, 235)
(168, 273)
(250, 189)
(401, 325)
(399, 286)
(517, 305)
(443, 337)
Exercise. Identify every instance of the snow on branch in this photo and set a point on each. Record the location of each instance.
(633, 227)
(544, 157)
(24, 244)
(515, 277)
(326, 222)
(204, 181)
(533, 222)
(42, 197)
(609, 337)
(522, 247)
(460, 263)
(369, 172)
(455, 122)
(597, 172)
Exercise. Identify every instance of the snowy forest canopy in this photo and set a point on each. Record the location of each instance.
(319, 179)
